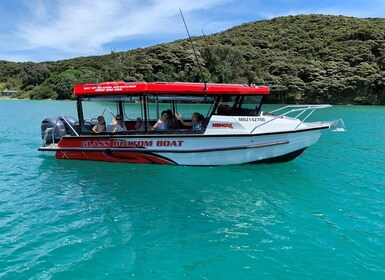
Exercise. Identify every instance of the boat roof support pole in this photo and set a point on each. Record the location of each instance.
(79, 108)
(121, 109)
(144, 108)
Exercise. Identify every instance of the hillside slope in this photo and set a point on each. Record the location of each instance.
(304, 59)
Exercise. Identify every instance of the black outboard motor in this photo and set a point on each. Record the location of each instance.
(53, 129)
(71, 122)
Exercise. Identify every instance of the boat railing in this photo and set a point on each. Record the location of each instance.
(107, 109)
(52, 130)
(303, 112)
(338, 125)
(63, 118)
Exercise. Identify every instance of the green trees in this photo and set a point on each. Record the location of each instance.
(307, 58)
(34, 74)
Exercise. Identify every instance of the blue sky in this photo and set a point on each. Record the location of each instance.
(50, 30)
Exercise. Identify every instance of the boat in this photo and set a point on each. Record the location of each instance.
(233, 129)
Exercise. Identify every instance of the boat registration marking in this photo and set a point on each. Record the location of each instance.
(248, 119)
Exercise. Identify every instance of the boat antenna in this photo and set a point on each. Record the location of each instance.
(206, 41)
(192, 45)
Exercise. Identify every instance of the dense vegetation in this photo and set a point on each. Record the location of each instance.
(304, 59)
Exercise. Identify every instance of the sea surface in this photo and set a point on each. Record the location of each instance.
(321, 216)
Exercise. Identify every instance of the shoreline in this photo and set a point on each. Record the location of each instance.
(12, 98)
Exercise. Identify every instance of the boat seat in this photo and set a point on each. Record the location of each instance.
(224, 109)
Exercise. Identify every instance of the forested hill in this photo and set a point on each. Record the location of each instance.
(304, 59)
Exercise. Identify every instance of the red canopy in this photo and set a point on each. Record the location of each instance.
(124, 88)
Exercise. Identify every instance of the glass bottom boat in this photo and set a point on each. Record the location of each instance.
(227, 125)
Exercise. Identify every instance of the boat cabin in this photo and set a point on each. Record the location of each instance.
(147, 101)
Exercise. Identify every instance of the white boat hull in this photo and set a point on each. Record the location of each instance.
(256, 149)
(201, 150)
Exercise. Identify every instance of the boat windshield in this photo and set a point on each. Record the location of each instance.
(248, 105)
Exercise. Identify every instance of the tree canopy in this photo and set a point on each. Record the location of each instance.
(303, 59)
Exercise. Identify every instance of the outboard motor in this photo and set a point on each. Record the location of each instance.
(71, 122)
(53, 129)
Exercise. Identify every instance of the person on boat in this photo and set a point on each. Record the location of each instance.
(118, 124)
(161, 124)
(139, 125)
(100, 126)
(201, 121)
(172, 122)
(196, 121)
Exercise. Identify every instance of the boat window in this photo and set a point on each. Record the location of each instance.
(248, 105)
(155, 109)
(185, 105)
(132, 110)
(187, 108)
(91, 111)
(225, 105)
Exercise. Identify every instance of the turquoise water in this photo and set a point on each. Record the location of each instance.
(320, 216)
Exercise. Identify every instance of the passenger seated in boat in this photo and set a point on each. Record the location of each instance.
(172, 122)
(196, 123)
(139, 125)
(224, 109)
(161, 124)
(100, 126)
(202, 121)
(118, 124)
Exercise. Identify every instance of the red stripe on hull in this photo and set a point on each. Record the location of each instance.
(126, 157)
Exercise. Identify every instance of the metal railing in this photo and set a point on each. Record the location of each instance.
(69, 125)
(290, 109)
(55, 128)
(107, 109)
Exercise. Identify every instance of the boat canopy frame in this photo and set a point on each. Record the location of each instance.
(225, 99)
(161, 88)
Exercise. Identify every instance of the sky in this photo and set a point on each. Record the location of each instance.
(51, 30)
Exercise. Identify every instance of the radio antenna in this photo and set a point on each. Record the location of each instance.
(207, 43)
(192, 45)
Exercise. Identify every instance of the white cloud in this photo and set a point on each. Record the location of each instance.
(59, 29)
(86, 26)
